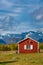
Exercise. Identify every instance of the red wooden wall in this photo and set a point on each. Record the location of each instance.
(26, 42)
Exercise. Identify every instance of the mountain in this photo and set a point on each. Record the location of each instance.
(11, 38)
(40, 40)
(14, 38)
(36, 35)
(2, 41)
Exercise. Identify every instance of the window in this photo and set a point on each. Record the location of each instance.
(28, 47)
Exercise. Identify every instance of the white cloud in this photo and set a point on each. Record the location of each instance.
(23, 5)
(34, 7)
(17, 10)
(9, 32)
(2, 17)
(1, 30)
(0, 25)
(40, 29)
(38, 17)
(24, 27)
(4, 4)
(4, 32)
(12, 14)
(9, 14)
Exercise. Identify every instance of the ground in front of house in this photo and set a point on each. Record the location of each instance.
(11, 58)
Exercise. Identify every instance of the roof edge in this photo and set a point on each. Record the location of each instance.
(27, 38)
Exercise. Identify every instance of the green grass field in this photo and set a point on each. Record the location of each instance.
(21, 59)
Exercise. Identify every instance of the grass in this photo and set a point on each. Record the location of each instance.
(21, 59)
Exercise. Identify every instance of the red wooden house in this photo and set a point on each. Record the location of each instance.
(28, 45)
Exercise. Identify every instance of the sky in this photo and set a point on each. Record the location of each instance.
(18, 16)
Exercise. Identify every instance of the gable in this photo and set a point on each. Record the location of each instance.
(24, 40)
(27, 39)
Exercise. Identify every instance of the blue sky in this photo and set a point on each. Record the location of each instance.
(17, 16)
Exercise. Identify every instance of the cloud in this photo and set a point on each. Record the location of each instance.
(4, 13)
(2, 17)
(28, 5)
(5, 32)
(40, 29)
(12, 14)
(17, 10)
(21, 11)
(34, 7)
(24, 27)
(39, 17)
(5, 3)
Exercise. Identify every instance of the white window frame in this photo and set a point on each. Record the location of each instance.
(25, 47)
(28, 47)
(31, 47)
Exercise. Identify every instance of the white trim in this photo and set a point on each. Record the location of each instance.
(18, 48)
(29, 38)
(34, 40)
(31, 47)
(38, 48)
(24, 47)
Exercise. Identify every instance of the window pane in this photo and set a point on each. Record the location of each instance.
(28, 47)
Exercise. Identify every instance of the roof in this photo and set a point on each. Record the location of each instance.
(27, 38)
